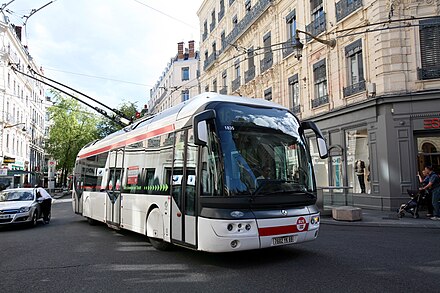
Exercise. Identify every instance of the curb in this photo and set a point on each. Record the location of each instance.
(332, 222)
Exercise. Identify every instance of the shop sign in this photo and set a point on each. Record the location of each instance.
(433, 123)
(8, 160)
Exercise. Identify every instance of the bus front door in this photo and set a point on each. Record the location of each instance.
(113, 189)
(183, 213)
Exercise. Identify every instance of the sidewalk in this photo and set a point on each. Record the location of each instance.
(376, 218)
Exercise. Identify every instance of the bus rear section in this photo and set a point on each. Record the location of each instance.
(268, 228)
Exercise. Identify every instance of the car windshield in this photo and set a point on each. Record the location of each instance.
(262, 151)
(16, 195)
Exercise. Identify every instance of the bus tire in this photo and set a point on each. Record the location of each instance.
(159, 244)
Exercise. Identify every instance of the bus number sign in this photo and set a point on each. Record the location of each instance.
(432, 123)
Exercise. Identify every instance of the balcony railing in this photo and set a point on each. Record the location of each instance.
(236, 83)
(208, 62)
(249, 74)
(296, 109)
(346, 7)
(288, 47)
(354, 88)
(316, 27)
(223, 91)
(428, 72)
(248, 20)
(320, 101)
(267, 62)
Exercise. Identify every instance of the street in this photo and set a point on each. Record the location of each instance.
(69, 255)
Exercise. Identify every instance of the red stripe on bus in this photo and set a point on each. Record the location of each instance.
(279, 230)
(123, 143)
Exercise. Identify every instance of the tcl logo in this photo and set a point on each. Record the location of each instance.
(431, 123)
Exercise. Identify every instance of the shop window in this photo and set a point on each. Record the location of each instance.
(358, 163)
(428, 149)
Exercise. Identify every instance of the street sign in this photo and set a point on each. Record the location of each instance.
(8, 160)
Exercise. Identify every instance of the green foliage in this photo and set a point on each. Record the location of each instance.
(106, 126)
(72, 127)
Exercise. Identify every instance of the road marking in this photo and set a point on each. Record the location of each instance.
(61, 200)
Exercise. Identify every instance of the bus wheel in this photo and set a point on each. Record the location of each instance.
(159, 244)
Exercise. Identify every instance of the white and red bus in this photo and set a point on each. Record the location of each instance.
(216, 173)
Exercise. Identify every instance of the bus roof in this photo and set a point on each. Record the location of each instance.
(165, 122)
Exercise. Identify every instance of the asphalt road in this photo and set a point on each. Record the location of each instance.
(68, 255)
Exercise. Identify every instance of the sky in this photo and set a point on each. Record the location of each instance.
(112, 50)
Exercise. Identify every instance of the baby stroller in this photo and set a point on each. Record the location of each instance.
(412, 206)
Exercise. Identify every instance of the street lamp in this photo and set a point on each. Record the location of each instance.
(299, 46)
(9, 126)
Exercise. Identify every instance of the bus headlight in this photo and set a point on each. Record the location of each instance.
(314, 220)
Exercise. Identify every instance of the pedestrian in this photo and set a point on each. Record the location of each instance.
(434, 186)
(427, 196)
(46, 203)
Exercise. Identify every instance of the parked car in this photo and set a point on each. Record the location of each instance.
(20, 206)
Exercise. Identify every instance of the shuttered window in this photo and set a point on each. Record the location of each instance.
(430, 48)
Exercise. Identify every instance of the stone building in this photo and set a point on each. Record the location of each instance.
(368, 73)
(178, 82)
(22, 111)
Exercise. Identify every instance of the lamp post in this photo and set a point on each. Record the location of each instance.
(299, 46)
(10, 126)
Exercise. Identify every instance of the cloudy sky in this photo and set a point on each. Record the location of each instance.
(112, 50)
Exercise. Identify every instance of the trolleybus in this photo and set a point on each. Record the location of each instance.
(215, 173)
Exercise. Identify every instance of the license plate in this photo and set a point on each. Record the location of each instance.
(284, 240)
(5, 216)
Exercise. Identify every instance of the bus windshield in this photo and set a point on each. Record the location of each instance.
(262, 151)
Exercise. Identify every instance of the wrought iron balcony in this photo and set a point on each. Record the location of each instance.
(223, 91)
(267, 62)
(288, 47)
(236, 83)
(296, 109)
(346, 7)
(249, 74)
(208, 62)
(354, 88)
(316, 27)
(428, 72)
(320, 101)
(255, 13)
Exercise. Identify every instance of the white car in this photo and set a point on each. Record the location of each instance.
(19, 206)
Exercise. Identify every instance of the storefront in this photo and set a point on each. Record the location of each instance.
(378, 146)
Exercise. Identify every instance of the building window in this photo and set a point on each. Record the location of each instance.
(234, 21)
(267, 61)
(268, 94)
(429, 49)
(320, 81)
(9, 80)
(294, 93)
(223, 39)
(355, 69)
(317, 25)
(222, 10)
(346, 7)
(247, 5)
(185, 95)
(317, 9)
(230, 2)
(185, 73)
(207, 88)
(358, 164)
(214, 85)
(237, 69)
(205, 30)
(212, 25)
(224, 88)
(288, 46)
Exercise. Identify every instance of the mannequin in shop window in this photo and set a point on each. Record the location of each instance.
(359, 169)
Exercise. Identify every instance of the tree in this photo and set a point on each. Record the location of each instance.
(72, 128)
(106, 126)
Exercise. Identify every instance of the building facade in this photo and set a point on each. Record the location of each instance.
(368, 74)
(178, 82)
(22, 110)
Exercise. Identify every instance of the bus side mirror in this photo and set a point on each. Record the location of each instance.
(322, 146)
(201, 127)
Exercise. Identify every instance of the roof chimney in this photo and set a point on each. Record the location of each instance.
(180, 51)
(191, 49)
